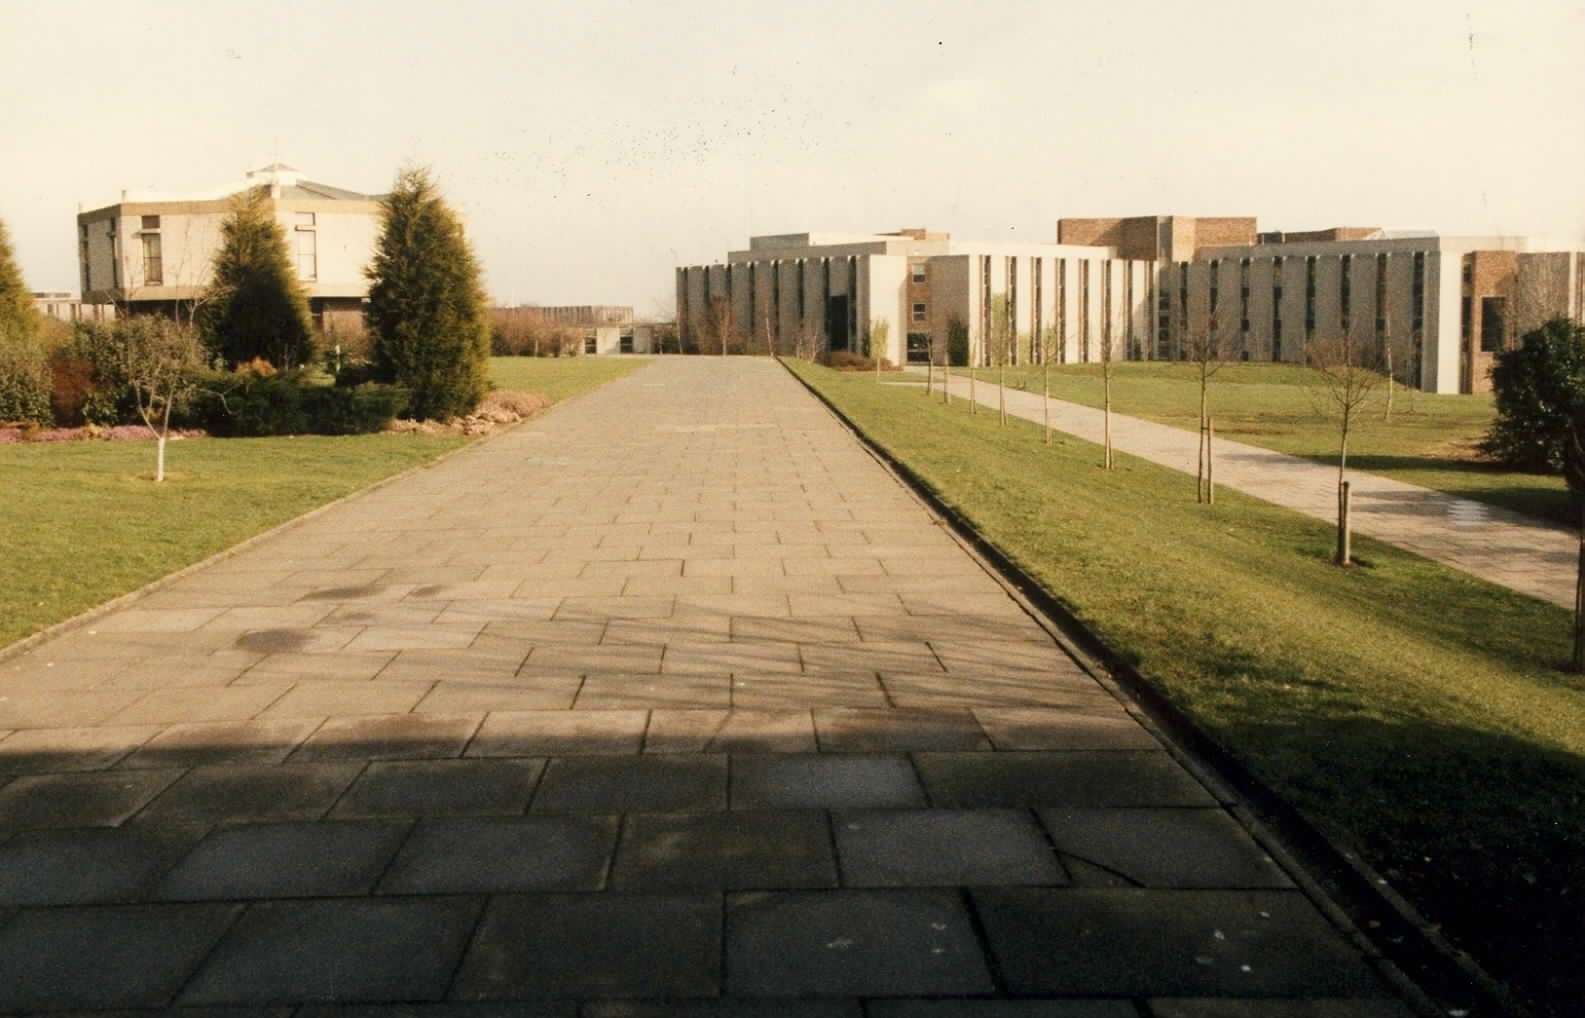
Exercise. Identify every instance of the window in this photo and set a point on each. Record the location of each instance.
(153, 263)
(115, 257)
(918, 351)
(1381, 295)
(151, 222)
(920, 312)
(918, 272)
(625, 342)
(307, 246)
(1417, 294)
(1346, 292)
(591, 344)
(1309, 295)
(1493, 322)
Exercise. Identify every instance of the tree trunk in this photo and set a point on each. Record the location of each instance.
(974, 403)
(1579, 599)
(1200, 451)
(930, 377)
(159, 458)
(1210, 461)
(1107, 451)
(946, 380)
(1045, 396)
(1344, 551)
(1389, 381)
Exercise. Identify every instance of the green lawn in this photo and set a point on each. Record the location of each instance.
(560, 377)
(1430, 441)
(1410, 710)
(84, 524)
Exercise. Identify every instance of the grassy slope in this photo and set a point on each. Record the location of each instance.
(1410, 710)
(560, 377)
(83, 524)
(1431, 440)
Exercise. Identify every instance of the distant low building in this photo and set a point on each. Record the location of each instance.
(599, 329)
(65, 306)
(1443, 305)
(150, 253)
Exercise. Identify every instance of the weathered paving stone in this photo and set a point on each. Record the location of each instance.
(285, 861)
(634, 784)
(1326, 1008)
(824, 782)
(725, 851)
(1185, 848)
(139, 954)
(442, 788)
(725, 1009)
(389, 737)
(1037, 728)
(543, 853)
(729, 731)
(97, 799)
(560, 733)
(88, 866)
(222, 742)
(1170, 943)
(844, 730)
(1001, 1009)
(851, 943)
(1093, 779)
(59, 750)
(600, 945)
(943, 848)
(333, 950)
(264, 792)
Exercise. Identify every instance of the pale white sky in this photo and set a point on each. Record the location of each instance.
(594, 145)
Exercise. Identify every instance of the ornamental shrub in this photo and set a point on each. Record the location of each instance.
(1539, 388)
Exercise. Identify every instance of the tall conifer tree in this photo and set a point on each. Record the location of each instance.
(255, 308)
(427, 307)
(24, 370)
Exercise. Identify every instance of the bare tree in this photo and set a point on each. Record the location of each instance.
(1347, 372)
(1001, 345)
(1209, 349)
(719, 323)
(1048, 340)
(1386, 351)
(159, 359)
(880, 331)
(806, 343)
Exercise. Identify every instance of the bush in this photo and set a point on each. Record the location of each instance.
(254, 405)
(846, 360)
(24, 382)
(1539, 386)
(71, 387)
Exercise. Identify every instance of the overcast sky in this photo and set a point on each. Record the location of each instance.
(594, 145)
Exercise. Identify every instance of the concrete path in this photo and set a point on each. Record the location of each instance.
(1519, 552)
(672, 695)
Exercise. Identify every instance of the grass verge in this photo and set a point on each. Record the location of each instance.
(1431, 440)
(1410, 711)
(84, 524)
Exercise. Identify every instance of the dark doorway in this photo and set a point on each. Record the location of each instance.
(837, 322)
(918, 348)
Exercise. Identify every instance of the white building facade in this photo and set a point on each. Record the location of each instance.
(149, 252)
(1136, 289)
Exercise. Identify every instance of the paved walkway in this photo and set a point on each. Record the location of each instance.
(672, 695)
(1519, 552)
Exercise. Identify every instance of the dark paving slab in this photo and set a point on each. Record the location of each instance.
(1188, 848)
(1332, 1008)
(1170, 943)
(442, 788)
(104, 957)
(255, 792)
(634, 784)
(102, 799)
(286, 861)
(341, 950)
(852, 943)
(944, 848)
(850, 730)
(604, 945)
(725, 1009)
(389, 737)
(88, 866)
(546, 853)
(813, 781)
(486, 1009)
(1001, 1009)
(1093, 779)
(725, 851)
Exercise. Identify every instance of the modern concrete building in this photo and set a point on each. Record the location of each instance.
(1140, 287)
(64, 306)
(151, 252)
(600, 328)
